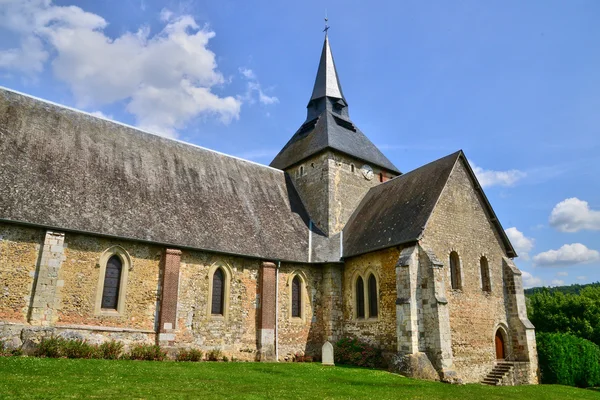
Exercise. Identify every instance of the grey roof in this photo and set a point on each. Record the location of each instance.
(328, 125)
(328, 133)
(327, 82)
(397, 211)
(67, 170)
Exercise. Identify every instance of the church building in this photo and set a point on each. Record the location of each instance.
(109, 232)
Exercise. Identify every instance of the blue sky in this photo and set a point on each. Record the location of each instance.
(514, 84)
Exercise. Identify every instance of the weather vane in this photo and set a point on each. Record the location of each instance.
(326, 26)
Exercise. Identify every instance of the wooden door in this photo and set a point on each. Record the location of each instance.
(499, 346)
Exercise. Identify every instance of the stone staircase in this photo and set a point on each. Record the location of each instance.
(498, 374)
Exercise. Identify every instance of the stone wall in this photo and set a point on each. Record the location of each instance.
(331, 185)
(302, 334)
(381, 331)
(80, 274)
(19, 253)
(460, 223)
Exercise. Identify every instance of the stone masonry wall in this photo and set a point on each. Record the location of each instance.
(381, 331)
(459, 223)
(235, 333)
(81, 276)
(19, 253)
(304, 334)
(330, 190)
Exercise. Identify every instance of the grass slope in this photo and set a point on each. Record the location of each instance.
(23, 377)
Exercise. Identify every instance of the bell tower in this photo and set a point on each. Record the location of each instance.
(330, 161)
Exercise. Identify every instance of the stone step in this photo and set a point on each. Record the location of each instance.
(491, 382)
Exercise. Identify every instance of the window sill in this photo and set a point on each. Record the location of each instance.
(366, 320)
(297, 320)
(109, 313)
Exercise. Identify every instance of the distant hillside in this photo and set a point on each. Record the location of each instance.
(571, 289)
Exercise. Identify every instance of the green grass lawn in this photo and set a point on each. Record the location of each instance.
(27, 377)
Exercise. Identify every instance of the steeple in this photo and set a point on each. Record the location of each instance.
(328, 125)
(327, 92)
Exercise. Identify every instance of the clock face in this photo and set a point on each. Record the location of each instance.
(367, 172)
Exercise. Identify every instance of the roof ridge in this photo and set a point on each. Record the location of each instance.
(76, 110)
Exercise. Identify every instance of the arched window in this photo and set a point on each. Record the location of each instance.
(302, 170)
(485, 275)
(455, 270)
(360, 298)
(296, 297)
(373, 301)
(218, 292)
(112, 281)
(352, 168)
(381, 177)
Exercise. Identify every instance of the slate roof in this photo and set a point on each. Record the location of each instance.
(327, 133)
(327, 82)
(330, 129)
(67, 170)
(397, 211)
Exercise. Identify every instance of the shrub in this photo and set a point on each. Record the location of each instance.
(110, 350)
(146, 352)
(77, 348)
(214, 355)
(50, 347)
(355, 352)
(190, 355)
(568, 360)
(225, 359)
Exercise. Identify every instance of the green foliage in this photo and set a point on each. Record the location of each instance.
(110, 350)
(146, 352)
(50, 347)
(568, 360)
(190, 355)
(355, 352)
(577, 314)
(571, 289)
(214, 355)
(77, 348)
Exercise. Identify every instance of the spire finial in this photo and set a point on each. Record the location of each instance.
(326, 26)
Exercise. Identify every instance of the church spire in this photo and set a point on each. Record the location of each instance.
(327, 93)
(327, 83)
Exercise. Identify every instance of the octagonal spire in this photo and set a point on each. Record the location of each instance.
(327, 83)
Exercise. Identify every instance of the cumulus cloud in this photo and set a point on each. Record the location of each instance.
(582, 278)
(557, 282)
(562, 273)
(166, 79)
(530, 280)
(572, 215)
(521, 243)
(254, 90)
(568, 254)
(487, 177)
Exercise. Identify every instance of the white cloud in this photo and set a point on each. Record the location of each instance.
(572, 215)
(522, 244)
(562, 273)
(557, 282)
(101, 115)
(254, 89)
(489, 178)
(582, 278)
(568, 254)
(166, 79)
(530, 280)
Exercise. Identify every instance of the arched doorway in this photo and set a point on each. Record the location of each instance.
(499, 345)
